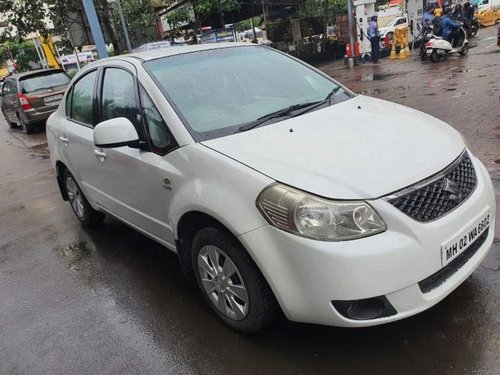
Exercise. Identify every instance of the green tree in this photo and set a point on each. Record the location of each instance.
(140, 16)
(202, 10)
(24, 53)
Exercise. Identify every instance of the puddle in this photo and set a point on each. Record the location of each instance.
(78, 255)
(460, 69)
(450, 89)
(371, 92)
(374, 76)
(496, 161)
(431, 94)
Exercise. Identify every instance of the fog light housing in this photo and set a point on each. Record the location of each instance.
(365, 309)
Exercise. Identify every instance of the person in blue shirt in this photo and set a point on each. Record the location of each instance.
(374, 38)
(448, 27)
(428, 17)
(427, 26)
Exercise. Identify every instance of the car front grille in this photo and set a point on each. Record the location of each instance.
(436, 196)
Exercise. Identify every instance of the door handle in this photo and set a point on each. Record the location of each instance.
(101, 155)
(63, 139)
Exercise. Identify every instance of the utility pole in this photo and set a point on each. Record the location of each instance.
(124, 25)
(350, 62)
(95, 28)
(264, 31)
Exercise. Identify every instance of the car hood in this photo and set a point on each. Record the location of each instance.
(359, 149)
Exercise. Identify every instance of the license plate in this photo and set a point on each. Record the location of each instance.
(458, 244)
(52, 98)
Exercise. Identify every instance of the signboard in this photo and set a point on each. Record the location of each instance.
(218, 36)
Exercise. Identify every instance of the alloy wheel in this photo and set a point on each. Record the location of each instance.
(222, 282)
(75, 197)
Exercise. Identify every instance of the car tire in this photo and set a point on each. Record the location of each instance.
(434, 57)
(27, 128)
(87, 216)
(231, 282)
(11, 124)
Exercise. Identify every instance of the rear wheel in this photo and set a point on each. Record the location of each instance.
(27, 128)
(11, 124)
(434, 57)
(80, 205)
(464, 50)
(231, 282)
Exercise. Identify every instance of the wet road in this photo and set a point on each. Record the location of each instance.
(112, 301)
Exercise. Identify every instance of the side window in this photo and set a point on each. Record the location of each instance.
(82, 96)
(118, 98)
(160, 138)
(9, 87)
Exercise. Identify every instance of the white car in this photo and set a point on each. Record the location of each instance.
(279, 189)
(390, 27)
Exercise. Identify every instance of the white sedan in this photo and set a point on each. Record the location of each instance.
(389, 29)
(279, 189)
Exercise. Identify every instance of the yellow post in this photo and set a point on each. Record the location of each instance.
(394, 42)
(393, 54)
(48, 49)
(404, 36)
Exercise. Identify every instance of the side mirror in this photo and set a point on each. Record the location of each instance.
(116, 132)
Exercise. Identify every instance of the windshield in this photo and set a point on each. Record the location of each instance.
(44, 80)
(216, 91)
(392, 22)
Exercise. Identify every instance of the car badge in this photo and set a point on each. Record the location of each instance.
(452, 188)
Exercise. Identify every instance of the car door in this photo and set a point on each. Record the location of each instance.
(135, 186)
(76, 137)
(9, 102)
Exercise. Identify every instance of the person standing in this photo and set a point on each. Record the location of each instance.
(374, 38)
(427, 20)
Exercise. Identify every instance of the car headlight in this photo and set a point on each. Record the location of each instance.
(317, 218)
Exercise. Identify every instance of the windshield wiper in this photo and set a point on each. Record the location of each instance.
(307, 106)
(277, 114)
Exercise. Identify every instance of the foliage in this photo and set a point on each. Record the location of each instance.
(24, 53)
(247, 24)
(176, 19)
(139, 16)
(316, 8)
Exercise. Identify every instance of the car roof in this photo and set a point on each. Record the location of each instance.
(171, 51)
(32, 72)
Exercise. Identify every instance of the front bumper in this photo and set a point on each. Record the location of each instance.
(307, 275)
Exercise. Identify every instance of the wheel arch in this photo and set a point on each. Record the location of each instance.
(190, 223)
(60, 168)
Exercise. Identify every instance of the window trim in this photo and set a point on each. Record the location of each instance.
(71, 91)
(152, 147)
(100, 88)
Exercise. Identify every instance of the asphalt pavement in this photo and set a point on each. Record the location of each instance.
(111, 301)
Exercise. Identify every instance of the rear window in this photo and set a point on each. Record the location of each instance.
(45, 80)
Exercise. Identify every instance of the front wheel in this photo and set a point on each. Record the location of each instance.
(434, 57)
(474, 29)
(231, 282)
(80, 205)
(464, 49)
(11, 124)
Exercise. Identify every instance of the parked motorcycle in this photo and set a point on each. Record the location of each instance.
(439, 47)
(472, 28)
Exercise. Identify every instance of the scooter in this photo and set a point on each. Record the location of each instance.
(439, 47)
